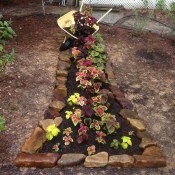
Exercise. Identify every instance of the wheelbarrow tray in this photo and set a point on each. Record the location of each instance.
(63, 23)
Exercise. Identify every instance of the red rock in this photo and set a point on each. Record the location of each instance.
(39, 160)
(65, 56)
(63, 73)
(124, 161)
(152, 151)
(51, 113)
(109, 71)
(116, 91)
(125, 113)
(35, 141)
(71, 159)
(60, 94)
(62, 65)
(61, 82)
(143, 161)
(96, 160)
(125, 103)
(57, 105)
(146, 142)
(142, 134)
(137, 124)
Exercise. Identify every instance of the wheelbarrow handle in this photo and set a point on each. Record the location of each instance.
(106, 14)
(82, 3)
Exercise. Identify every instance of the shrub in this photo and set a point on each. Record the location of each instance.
(160, 4)
(6, 32)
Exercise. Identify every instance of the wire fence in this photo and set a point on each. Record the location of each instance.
(132, 4)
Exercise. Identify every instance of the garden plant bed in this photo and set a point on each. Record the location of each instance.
(144, 154)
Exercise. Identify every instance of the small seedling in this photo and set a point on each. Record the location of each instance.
(126, 141)
(115, 144)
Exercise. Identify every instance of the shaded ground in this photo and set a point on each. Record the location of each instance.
(144, 69)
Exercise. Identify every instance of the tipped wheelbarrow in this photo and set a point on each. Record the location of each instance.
(67, 20)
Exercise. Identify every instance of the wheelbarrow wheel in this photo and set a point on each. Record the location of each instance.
(67, 44)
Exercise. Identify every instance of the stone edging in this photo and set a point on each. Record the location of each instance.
(151, 157)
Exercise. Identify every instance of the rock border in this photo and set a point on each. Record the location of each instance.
(150, 158)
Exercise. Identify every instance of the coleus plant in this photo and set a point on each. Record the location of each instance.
(91, 150)
(96, 124)
(56, 147)
(100, 110)
(83, 24)
(83, 136)
(100, 137)
(126, 142)
(75, 99)
(76, 117)
(51, 132)
(67, 140)
(111, 123)
(67, 131)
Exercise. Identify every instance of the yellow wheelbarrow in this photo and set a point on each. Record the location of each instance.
(67, 20)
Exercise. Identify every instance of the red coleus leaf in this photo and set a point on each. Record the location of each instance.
(81, 75)
(100, 136)
(87, 111)
(67, 140)
(82, 101)
(90, 39)
(97, 87)
(67, 131)
(100, 110)
(75, 52)
(82, 138)
(91, 150)
(97, 99)
(85, 83)
(84, 62)
(76, 117)
(83, 129)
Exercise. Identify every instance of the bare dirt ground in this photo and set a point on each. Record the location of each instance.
(144, 68)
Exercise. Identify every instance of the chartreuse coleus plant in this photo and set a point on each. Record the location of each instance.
(125, 143)
(52, 131)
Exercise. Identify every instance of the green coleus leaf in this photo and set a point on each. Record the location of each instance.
(115, 144)
(51, 131)
(68, 114)
(49, 136)
(124, 145)
(127, 140)
(55, 131)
